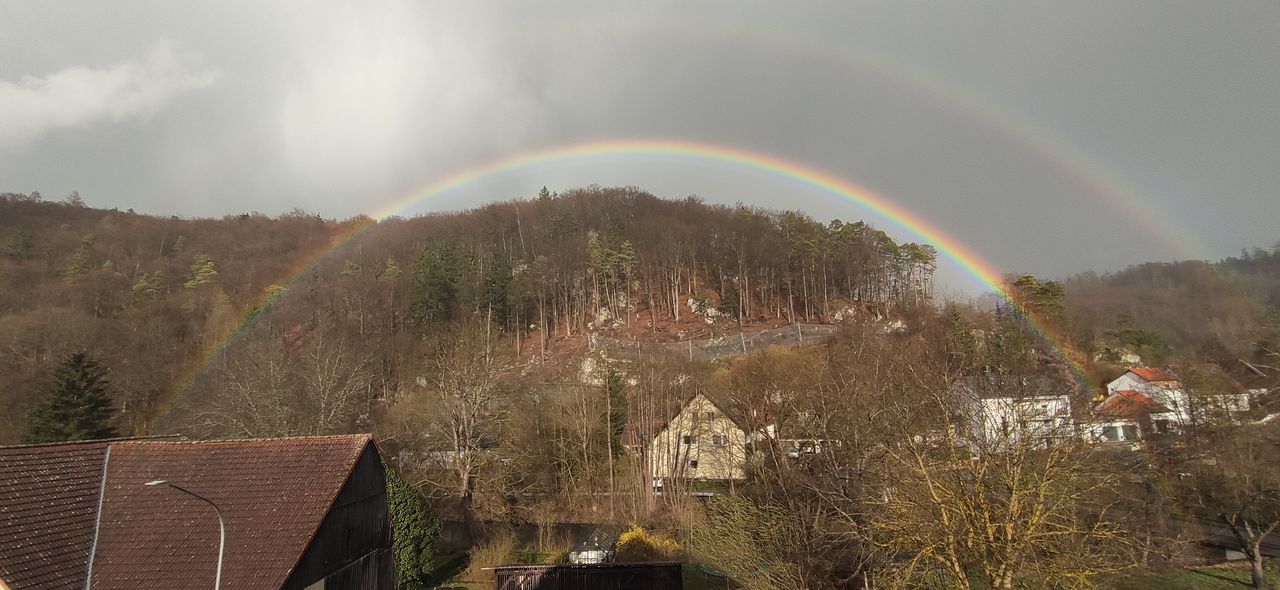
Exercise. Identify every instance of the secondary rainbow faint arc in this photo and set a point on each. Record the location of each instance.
(803, 174)
(1048, 145)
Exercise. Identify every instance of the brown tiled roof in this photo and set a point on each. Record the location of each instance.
(1127, 403)
(274, 493)
(48, 499)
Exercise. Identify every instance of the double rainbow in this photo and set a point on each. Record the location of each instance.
(801, 174)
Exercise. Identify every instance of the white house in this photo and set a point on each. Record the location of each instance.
(1178, 406)
(701, 442)
(1003, 410)
(1126, 416)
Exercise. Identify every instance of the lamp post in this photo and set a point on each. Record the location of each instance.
(222, 529)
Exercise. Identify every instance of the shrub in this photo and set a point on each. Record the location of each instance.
(499, 549)
(637, 545)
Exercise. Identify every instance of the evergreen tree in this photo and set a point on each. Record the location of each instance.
(202, 271)
(18, 244)
(78, 407)
(616, 414)
(76, 264)
(390, 272)
(497, 289)
(434, 289)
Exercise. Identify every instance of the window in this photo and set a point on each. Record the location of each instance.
(693, 464)
(709, 416)
(1110, 433)
(719, 440)
(689, 439)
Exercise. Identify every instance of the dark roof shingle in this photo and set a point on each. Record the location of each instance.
(274, 493)
(48, 501)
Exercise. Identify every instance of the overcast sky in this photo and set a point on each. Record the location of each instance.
(1050, 137)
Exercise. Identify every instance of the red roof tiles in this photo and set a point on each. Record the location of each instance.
(273, 493)
(1153, 374)
(1127, 403)
(48, 499)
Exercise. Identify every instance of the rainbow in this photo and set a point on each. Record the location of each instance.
(801, 174)
(1051, 147)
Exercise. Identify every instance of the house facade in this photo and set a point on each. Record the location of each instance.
(1002, 410)
(307, 513)
(1125, 416)
(1173, 407)
(701, 442)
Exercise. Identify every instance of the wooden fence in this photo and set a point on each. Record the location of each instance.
(606, 576)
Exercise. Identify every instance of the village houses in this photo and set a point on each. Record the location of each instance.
(1147, 400)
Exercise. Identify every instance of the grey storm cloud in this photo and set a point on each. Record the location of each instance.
(1047, 137)
(78, 96)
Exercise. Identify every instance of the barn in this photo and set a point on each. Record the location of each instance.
(304, 513)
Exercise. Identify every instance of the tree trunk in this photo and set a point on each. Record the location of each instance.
(1259, 576)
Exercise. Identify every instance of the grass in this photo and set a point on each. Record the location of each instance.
(695, 579)
(1202, 578)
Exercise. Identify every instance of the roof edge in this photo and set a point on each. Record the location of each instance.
(355, 460)
(363, 436)
(65, 443)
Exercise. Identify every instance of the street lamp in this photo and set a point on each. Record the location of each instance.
(222, 529)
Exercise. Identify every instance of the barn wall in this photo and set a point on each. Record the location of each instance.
(352, 549)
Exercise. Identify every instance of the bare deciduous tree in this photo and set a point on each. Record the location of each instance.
(1015, 506)
(318, 386)
(1235, 480)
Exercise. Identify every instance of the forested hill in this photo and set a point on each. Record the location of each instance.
(1223, 311)
(153, 297)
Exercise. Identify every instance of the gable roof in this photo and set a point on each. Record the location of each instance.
(996, 386)
(1153, 374)
(635, 434)
(1128, 403)
(48, 500)
(274, 494)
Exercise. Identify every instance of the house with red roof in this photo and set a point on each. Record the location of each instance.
(302, 513)
(1126, 416)
(1165, 389)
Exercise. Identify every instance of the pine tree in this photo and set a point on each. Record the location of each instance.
(78, 407)
(202, 271)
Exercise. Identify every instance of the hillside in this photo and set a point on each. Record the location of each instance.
(157, 298)
(1225, 311)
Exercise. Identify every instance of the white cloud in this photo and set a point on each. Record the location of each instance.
(80, 96)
